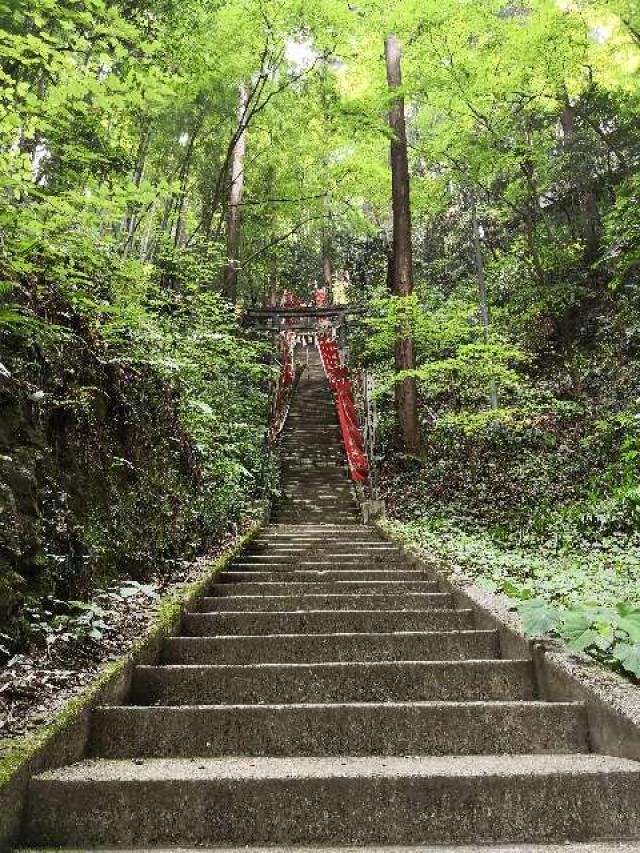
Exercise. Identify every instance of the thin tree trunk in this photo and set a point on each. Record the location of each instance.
(482, 290)
(236, 175)
(402, 273)
(184, 184)
(589, 223)
(327, 249)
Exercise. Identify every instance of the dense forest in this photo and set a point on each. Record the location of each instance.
(166, 165)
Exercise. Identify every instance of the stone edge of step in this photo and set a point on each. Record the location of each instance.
(612, 701)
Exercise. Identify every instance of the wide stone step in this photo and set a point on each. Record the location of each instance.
(321, 556)
(239, 575)
(325, 622)
(438, 728)
(321, 561)
(397, 681)
(566, 847)
(308, 507)
(327, 601)
(294, 549)
(358, 800)
(318, 648)
(358, 537)
(314, 529)
(319, 544)
(291, 518)
(323, 588)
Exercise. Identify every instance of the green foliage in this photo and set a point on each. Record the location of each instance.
(453, 366)
(553, 591)
(610, 634)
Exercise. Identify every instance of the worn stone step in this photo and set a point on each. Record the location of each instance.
(290, 518)
(327, 601)
(325, 622)
(294, 549)
(239, 575)
(318, 648)
(312, 528)
(322, 556)
(566, 847)
(271, 588)
(339, 490)
(321, 561)
(320, 543)
(358, 800)
(394, 728)
(395, 681)
(303, 539)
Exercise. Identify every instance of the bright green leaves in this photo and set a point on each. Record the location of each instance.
(537, 617)
(451, 361)
(629, 657)
(609, 634)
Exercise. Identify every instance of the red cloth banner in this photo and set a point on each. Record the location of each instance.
(283, 387)
(337, 374)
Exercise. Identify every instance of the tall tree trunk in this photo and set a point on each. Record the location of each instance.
(327, 249)
(131, 218)
(184, 183)
(482, 289)
(589, 224)
(236, 179)
(402, 272)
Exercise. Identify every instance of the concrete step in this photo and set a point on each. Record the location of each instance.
(357, 800)
(332, 587)
(395, 681)
(325, 622)
(327, 601)
(323, 558)
(291, 518)
(303, 538)
(294, 549)
(421, 728)
(566, 847)
(318, 648)
(319, 561)
(311, 529)
(240, 575)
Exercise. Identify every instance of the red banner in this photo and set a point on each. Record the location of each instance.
(283, 388)
(337, 375)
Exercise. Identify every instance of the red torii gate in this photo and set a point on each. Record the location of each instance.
(323, 330)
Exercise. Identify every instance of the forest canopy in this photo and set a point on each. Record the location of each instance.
(166, 165)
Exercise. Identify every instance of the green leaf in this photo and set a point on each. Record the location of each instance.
(538, 617)
(584, 640)
(629, 657)
(630, 623)
(574, 624)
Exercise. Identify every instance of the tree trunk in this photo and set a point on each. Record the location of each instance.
(589, 224)
(236, 178)
(327, 250)
(402, 271)
(482, 290)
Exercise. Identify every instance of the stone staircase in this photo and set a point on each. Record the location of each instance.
(316, 489)
(326, 695)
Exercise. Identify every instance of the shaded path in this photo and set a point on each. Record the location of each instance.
(325, 692)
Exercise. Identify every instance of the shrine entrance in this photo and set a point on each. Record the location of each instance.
(311, 346)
